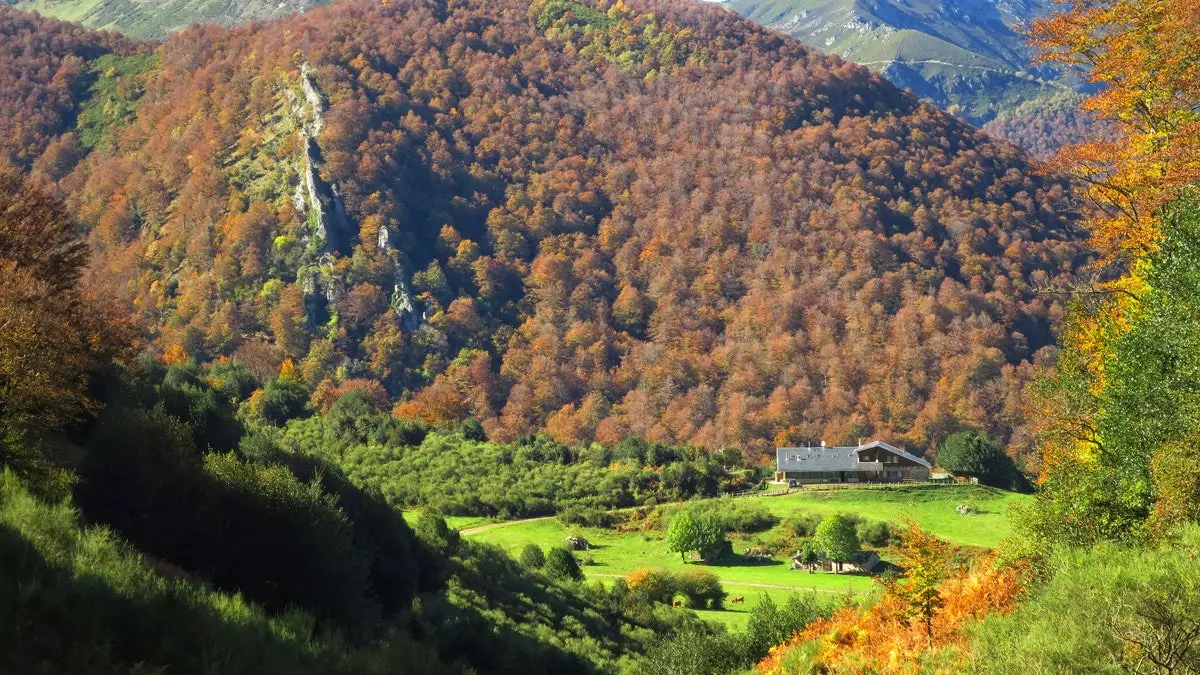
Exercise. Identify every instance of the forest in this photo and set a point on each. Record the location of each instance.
(281, 302)
(644, 220)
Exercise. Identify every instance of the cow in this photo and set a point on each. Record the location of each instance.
(738, 598)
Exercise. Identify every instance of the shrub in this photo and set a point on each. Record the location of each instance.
(874, 533)
(99, 607)
(586, 517)
(1096, 607)
(532, 556)
(701, 588)
(806, 525)
(651, 585)
(561, 564)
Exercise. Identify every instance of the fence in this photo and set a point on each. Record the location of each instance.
(819, 487)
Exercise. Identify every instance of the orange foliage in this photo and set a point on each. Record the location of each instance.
(883, 639)
(682, 227)
(174, 356)
(1143, 52)
(287, 371)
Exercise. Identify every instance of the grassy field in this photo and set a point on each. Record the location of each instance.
(930, 505)
(616, 554)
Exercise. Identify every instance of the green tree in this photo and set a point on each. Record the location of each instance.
(561, 564)
(532, 556)
(688, 532)
(836, 538)
(682, 534)
(969, 453)
(807, 554)
(282, 399)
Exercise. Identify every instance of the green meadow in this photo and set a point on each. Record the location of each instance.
(614, 554)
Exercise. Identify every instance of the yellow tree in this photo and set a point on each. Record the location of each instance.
(925, 560)
(1144, 55)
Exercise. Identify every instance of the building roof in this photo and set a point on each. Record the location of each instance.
(836, 459)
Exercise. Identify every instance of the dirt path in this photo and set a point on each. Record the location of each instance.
(748, 584)
(491, 526)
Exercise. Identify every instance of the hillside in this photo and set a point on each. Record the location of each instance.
(598, 224)
(968, 57)
(158, 18)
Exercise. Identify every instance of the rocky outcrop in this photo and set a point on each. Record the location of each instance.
(329, 228)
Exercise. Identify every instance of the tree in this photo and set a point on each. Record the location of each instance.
(808, 554)
(532, 556)
(51, 336)
(687, 532)
(37, 234)
(925, 561)
(836, 538)
(969, 453)
(682, 534)
(282, 399)
(1123, 379)
(561, 564)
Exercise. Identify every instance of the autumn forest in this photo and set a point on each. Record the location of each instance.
(292, 313)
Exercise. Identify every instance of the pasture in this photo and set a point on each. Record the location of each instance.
(616, 554)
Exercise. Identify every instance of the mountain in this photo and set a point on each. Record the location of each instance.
(968, 56)
(158, 18)
(655, 219)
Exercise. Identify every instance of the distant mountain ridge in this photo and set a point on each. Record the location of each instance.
(967, 56)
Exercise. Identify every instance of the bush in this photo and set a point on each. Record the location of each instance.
(701, 588)
(99, 607)
(561, 564)
(533, 557)
(1098, 604)
(586, 517)
(695, 651)
(874, 533)
(806, 525)
(651, 585)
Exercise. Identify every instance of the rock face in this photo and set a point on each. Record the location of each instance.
(329, 228)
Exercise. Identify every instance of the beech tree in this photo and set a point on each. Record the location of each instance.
(837, 538)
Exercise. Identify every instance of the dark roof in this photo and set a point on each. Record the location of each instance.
(836, 459)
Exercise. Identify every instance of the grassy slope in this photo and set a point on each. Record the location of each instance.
(157, 18)
(617, 554)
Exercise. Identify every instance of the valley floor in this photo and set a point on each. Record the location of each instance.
(614, 554)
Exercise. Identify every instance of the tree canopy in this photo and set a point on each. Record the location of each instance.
(837, 537)
(611, 244)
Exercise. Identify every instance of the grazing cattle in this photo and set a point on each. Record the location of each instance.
(677, 603)
(738, 598)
